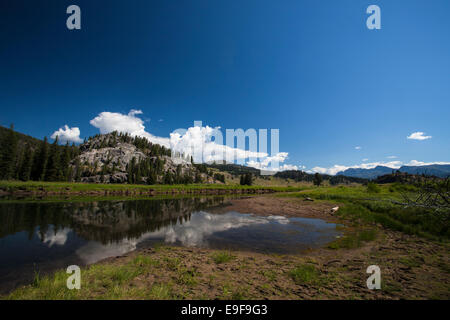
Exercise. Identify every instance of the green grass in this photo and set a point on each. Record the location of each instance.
(142, 261)
(73, 187)
(100, 281)
(374, 205)
(160, 292)
(187, 276)
(269, 275)
(222, 257)
(410, 262)
(305, 274)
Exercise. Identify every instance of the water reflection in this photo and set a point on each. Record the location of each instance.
(48, 236)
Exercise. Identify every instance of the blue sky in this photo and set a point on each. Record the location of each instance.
(311, 69)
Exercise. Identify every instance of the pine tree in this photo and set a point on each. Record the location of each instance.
(25, 170)
(40, 162)
(8, 155)
(69, 174)
(246, 179)
(130, 170)
(54, 163)
(317, 179)
(151, 179)
(19, 163)
(137, 173)
(65, 163)
(249, 179)
(168, 178)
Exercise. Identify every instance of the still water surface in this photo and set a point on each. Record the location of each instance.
(44, 236)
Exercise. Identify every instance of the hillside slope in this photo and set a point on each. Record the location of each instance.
(441, 171)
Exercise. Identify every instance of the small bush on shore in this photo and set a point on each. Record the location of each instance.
(222, 257)
(373, 188)
(304, 274)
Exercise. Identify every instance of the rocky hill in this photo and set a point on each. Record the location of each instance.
(120, 158)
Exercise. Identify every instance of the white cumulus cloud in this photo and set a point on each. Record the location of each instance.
(421, 163)
(269, 163)
(204, 139)
(67, 134)
(108, 122)
(418, 136)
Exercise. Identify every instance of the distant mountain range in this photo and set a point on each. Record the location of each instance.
(437, 170)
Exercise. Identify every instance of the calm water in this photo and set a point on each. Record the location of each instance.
(46, 236)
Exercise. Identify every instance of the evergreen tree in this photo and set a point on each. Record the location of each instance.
(69, 174)
(246, 179)
(151, 179)
(317, 179)
(40, 162)
(8, 155)
(249, 179)
(131, 170)
(27, 163)
(137, 173)
(65, 163)
(219, 177)
(54, 172)
(168, 178)
(19, 163)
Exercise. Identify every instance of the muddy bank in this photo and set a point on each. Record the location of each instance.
(410, 268)
(288, 207)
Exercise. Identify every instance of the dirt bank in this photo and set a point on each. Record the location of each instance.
(288, 207)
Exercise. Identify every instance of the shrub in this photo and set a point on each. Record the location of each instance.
(222, 257)
(304, 274)
(373, 188)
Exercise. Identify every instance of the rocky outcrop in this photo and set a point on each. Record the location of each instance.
(110, 158)
(119, 156)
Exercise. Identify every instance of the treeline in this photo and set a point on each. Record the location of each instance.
(25, 158)
(298, 175)
(112, 139)
(147, 171)
(235, 169)
(246, 179)
(31, 159)
(403, 177)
